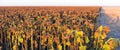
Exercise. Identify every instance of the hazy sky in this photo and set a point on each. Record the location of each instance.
(59, 2)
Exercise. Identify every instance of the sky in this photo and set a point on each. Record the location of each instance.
(59, 2)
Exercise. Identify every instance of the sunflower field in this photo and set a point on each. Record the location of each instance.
(53, 28)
